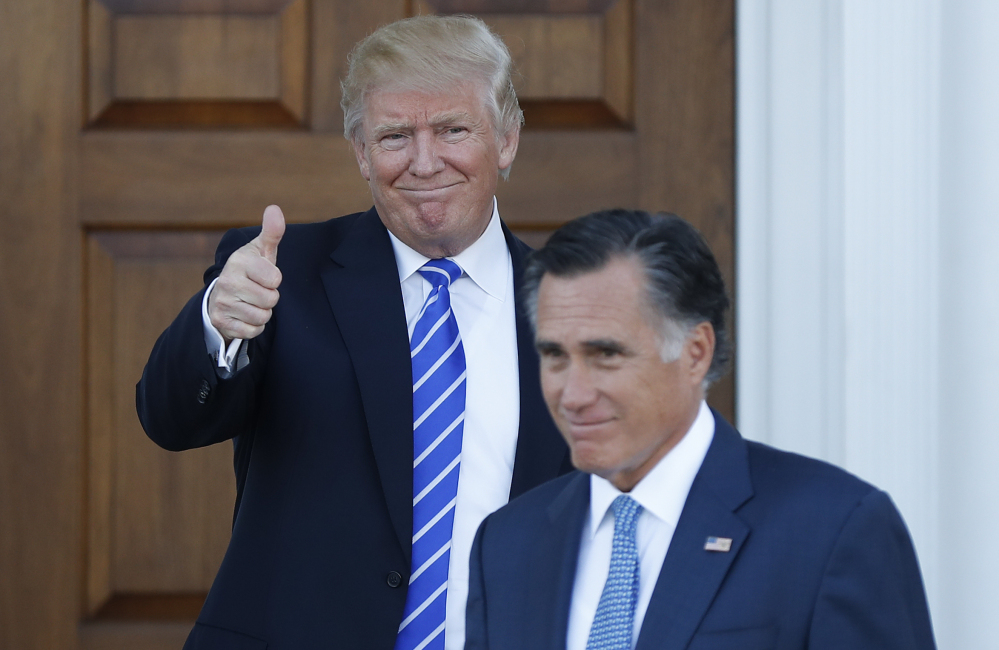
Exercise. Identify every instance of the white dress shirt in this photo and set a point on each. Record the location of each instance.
(661, 493)
(484, 306)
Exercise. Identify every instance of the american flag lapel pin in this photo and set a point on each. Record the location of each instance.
(718, 544)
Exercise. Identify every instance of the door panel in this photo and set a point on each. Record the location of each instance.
(178, 63)
(156, 521)
(136, 131)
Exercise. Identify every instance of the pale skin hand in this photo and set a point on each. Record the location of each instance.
(242, 300)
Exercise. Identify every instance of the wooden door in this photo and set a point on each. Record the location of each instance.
(133, 132)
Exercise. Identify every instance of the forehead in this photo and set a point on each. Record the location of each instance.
(610, 302)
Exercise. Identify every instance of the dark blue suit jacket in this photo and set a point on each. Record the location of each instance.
(322, 425)
(819, 560)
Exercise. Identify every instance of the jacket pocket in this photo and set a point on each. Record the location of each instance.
(757, 638)
(208, 637)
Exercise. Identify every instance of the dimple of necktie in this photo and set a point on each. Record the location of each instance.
(614, 621)
(438, 422)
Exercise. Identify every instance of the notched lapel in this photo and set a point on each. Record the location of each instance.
(691, 575)
(553, 567)
(362, 285)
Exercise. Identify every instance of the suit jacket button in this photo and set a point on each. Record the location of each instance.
(393, 579)
(204, 391)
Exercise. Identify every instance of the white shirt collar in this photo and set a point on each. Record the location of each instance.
(663, 491)
(477, 261)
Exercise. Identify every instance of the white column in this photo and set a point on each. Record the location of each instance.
(789, 233)
(969, 379)
(891, 264)
(837, 231)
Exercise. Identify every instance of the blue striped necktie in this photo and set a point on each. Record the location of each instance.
(438, 421)
(615, 618)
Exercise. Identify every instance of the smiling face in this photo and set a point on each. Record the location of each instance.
(619, 406)
(432, 161)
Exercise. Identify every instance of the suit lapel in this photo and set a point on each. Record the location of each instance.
(690, 575)
(541, 451)
(362, 285)
(553, 566)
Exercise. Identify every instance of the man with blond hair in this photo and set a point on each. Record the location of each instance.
(372, 371)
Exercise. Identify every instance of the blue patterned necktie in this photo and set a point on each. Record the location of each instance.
(438, 421)
(615, 618)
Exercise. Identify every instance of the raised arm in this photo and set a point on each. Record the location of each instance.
(182, 399)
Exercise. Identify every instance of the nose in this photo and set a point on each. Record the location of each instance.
(425, 161)
(578, 389)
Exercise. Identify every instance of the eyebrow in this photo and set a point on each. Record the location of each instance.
(591, 347)
(547, 346)
(437, 122)
(602, 345)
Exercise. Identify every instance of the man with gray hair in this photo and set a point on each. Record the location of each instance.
(676, 533)
(372, 371)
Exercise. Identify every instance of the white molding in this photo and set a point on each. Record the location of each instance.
(752, 223)
(788, 177)
(969, 378)
(837, 234)
(891, 263)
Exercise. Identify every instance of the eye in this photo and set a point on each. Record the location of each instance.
(393, 141)
(550, 351)
(454, 132)
(609, 352)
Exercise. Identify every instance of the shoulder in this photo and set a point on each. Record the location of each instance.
(769, 485)
(298, 237)
(320, 235)
(537, 510)
(762, 471)
(797, 496)
(519, 250)
(553, 493)
(774, 471)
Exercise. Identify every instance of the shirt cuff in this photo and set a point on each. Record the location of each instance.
(214, 340)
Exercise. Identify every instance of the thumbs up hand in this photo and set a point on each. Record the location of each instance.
(242, 300)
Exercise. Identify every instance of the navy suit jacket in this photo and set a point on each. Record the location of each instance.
(321, 421)
(819, 560)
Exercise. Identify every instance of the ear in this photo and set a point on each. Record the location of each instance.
(699, 350)
(360, 152)
(508, 147)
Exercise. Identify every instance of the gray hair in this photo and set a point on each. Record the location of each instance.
(683, 283)
(431, 53)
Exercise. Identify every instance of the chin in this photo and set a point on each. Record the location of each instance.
(585, 462)
(434, 216)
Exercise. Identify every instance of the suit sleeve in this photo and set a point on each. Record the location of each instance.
(872, 594)
(180, 400)
(476, 637)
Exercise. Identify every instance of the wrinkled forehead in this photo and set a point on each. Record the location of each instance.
(607, 297)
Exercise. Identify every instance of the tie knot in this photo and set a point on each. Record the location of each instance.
(626, 511)
(440, 272)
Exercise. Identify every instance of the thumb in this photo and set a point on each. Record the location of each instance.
(271, 233)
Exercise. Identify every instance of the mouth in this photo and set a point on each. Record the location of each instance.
(582, 429)
(428, 191)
